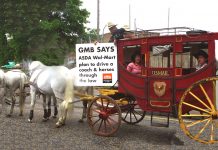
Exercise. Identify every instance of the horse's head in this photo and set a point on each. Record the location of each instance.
(71, 60)
(25, 65)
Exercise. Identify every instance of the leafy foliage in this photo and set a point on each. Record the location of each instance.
(89, 36)
(40, 30)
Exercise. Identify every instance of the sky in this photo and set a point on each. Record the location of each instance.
(153, 14)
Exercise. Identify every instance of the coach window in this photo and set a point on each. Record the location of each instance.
(129, 51)
(161, 56)
(187, 58)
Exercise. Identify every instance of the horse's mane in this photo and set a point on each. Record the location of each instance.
(1, 71)
(36, 65)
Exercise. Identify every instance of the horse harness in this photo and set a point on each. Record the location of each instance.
(34, 84)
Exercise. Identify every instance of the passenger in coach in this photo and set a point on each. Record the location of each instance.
(202, 58)
(135, 65)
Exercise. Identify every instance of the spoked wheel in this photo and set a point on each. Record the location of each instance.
(104, 116)
(198, 115)
(131, 113)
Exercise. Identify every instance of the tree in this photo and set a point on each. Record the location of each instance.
(89, 36)
(42, 30)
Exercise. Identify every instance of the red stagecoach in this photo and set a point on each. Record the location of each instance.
(168, 85)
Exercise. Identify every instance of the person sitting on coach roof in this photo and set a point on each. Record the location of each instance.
(115, 32)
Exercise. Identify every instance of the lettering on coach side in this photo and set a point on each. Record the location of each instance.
(160, 73)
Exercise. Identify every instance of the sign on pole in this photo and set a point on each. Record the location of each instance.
(96, 64)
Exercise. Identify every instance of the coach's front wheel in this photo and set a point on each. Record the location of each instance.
(104, 116)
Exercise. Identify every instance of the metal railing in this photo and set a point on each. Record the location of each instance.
(165, 31)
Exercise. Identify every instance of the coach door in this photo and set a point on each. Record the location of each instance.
(160, 77)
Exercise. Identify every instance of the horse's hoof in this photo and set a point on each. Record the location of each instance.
(59, 124)
(20, 114)
(44, 119)
(29, 120)
(54, 116)
(81, 121)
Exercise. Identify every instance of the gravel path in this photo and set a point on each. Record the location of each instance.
(17, 133)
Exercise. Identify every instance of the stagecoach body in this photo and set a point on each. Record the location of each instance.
(165, 76)
(168, 84)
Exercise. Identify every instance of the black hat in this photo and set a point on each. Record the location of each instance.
(201, 53)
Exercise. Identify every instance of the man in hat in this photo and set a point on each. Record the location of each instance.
(202, 58)
(115, 33)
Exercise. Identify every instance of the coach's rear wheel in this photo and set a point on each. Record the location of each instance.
(131, 113)
(104, 116)
(198, 115)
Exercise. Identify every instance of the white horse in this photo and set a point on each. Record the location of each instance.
(12, 81)
(2, 79)
(82, 90)
(46, 98)
(51, 80)
(2, 86)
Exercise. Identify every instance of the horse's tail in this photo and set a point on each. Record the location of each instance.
(23, 80)
(68, 99)
(69, 90)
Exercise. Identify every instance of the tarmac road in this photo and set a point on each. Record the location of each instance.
(17, 133)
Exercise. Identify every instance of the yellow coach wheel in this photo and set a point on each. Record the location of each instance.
(198, 115)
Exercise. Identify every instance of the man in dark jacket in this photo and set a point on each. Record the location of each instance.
(115, 33)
